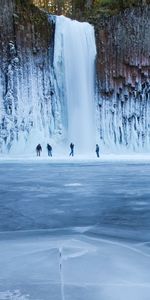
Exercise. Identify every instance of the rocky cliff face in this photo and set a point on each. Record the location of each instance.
(123, 78)
(27, 100)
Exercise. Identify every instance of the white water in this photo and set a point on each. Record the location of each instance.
(74, 65)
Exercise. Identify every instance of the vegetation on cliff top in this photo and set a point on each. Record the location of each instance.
(86, 7)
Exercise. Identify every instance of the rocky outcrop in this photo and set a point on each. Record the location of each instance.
(123, 78)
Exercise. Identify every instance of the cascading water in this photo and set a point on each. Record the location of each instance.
(74, 61)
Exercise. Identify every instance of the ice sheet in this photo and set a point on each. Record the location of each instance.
(73, 267)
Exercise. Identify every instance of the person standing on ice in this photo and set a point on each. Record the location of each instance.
(38, 150)
(49, 150)
(72, 149)
(97, 150)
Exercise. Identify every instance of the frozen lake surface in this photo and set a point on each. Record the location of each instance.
(75, 231)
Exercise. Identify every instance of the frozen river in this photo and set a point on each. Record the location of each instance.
(76, 231)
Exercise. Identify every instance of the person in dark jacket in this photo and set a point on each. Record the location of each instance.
(49, 150)
(38, 150)
(72, 149)
(97, 150)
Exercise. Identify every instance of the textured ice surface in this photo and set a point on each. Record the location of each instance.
(72, 267)
(15, 295)
(45, 195)
(75, 231)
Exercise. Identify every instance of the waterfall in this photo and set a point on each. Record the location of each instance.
(74, 64)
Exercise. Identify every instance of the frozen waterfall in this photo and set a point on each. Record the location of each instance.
(47, 95)
(74, 67)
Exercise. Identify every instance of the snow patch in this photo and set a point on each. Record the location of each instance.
(75, 184)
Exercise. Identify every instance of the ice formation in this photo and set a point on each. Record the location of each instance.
(124, 119)
(27, 109)
(90, 269)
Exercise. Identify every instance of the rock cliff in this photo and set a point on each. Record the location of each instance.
(26, 88)
(123, 78)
